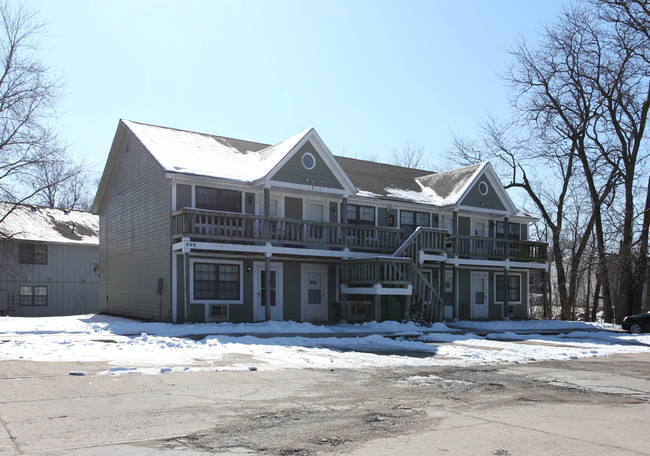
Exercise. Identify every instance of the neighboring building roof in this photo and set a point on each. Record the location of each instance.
(34, 223)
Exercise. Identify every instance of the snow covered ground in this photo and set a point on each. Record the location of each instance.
(152, 348)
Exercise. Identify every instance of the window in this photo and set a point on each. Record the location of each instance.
(513, 230)
(483, 188)
(32, 253)
(33, 296)
(219, 311)
(216, 282)
(409, 220)
(514, 288)
(361, 215)
(308, 161)
(218, 199)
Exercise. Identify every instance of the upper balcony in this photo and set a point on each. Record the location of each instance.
(227, 227)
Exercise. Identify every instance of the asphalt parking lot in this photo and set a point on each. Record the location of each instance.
(589, 406)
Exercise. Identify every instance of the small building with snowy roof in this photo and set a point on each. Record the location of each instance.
(49, 261)
(198, 227)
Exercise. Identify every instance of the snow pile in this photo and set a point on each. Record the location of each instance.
(157, 348)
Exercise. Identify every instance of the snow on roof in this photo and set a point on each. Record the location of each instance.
(207, 155)
(449, 186)
(33, 223)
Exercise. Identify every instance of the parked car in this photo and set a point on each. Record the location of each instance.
(637, 324)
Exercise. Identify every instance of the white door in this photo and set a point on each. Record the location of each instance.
(479, 230)
(479, 294)
(315, 231)
(314, 293)
(259, 287)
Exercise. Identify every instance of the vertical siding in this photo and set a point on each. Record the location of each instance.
(135, 234)
(72, 287)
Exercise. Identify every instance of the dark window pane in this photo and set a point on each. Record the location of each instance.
(216, 199)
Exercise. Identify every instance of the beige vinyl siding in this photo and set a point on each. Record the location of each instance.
(135, 234)
(295, 173)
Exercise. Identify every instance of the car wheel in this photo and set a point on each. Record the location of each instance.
(635, 328)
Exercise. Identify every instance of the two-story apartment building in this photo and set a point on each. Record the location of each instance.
(197, 227)
(49, 259)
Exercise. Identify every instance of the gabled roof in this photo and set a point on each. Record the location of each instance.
(374, 178)
(44, 224)
(201, 154)
(448, 187)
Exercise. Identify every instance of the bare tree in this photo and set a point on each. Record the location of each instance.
(63, 183)
(410, 156)
(28, 96)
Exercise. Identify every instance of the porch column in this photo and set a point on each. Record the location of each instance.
(344, 221)
(187, 248)
(505, 290)
(267, 287)
(443, 274)
(378, 308)
(267, 213)
(506, 236)
(544, 294)
(454, 291)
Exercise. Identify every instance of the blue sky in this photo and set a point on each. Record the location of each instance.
(370, 76)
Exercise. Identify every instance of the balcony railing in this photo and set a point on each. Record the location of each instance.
(387, 271)
(228, 227)
(513, 249)
(213, 226)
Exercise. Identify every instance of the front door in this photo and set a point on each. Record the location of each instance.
(316, 212)
(479, 294)
(480, 232)
(314, 293)
(259, 285)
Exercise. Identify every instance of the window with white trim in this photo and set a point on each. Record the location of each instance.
(514, 230)
(216, 281)
(409, 220)
(33, 296)
(514, 288)
(218, 199)
(361, 215)
(218, 312)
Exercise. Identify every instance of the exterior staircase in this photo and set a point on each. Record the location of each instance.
(402, 272)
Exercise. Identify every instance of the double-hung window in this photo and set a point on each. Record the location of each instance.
(214, 281)
(409, 220)
(33, 296)
(514, 230)
(514, 288)
(361, 215)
